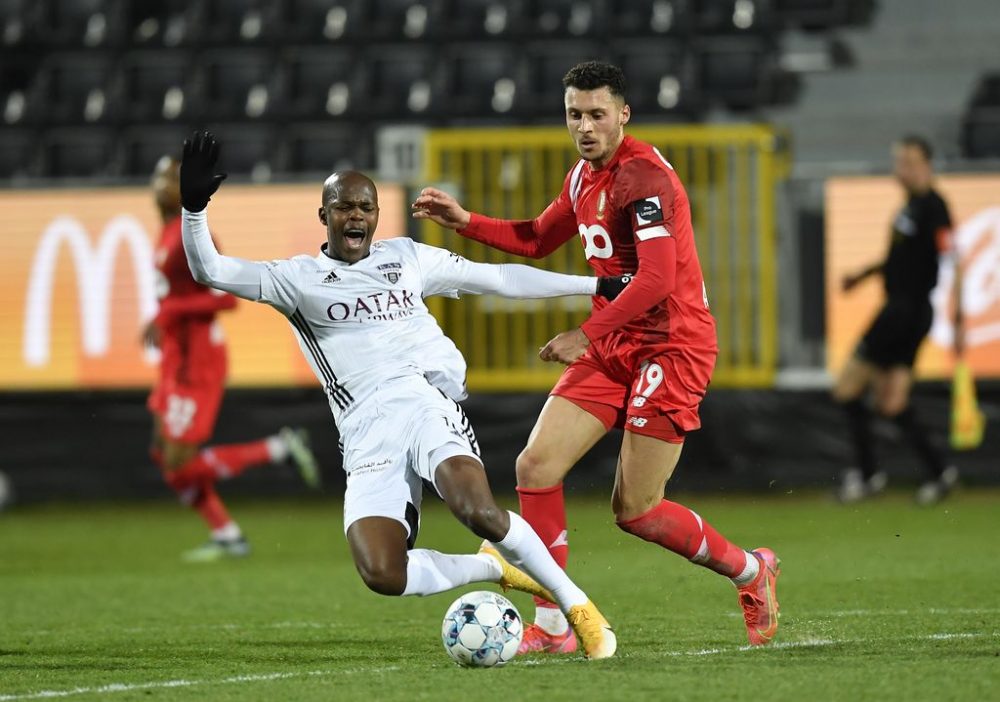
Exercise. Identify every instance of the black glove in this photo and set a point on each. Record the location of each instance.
(611, 286)
(199, 181)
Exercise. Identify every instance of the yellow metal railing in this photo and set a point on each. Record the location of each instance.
(731, 174)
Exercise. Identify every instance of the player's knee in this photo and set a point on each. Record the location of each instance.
(535, 471)
(382, 577)
(484, 519)
(629, 505)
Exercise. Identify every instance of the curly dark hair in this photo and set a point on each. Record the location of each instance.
(591, 75)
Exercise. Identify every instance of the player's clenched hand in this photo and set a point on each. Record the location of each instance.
(440, 207)
(199, 181)
(611, 286)
(565, 348)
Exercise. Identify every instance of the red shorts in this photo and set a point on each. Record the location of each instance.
(187, 412)
(659, 398)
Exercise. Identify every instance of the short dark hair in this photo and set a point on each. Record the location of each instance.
(919, 143)
(591, 75)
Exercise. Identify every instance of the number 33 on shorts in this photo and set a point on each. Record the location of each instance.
(650, 379)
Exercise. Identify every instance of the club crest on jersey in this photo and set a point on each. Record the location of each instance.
(331, 277)
(647, 211)
(602, 201)
(391, 271)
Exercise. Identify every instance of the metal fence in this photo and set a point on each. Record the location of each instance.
(731, 174)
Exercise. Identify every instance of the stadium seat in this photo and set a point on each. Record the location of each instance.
(403, 20)
(319, 83)
(546, 66)
(650, 17)
(238, 84)
(733, 16)
(311, 21)
(248, 151)
(660, 79)
(17, 75)
(735, 71)
(320, 149)
(479, 18)
(20, 22)
(78, 153)
(401, 82)
(240, 21)
(143, 146)
(816, 15)
(567, 18)
(17, 152)
(163, 23)
(77, 89)
(483, 81)
(156, 86)
(81, 23)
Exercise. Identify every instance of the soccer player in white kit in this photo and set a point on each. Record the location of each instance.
(393, 379)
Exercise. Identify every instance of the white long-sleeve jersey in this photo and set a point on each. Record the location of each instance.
(361, 325)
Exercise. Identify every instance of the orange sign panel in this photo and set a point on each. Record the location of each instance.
(859, 212)
(78, 284)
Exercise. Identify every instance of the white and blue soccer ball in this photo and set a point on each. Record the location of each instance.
(482, 630)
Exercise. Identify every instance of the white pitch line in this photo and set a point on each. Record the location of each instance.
(818, 643)
(162, 684)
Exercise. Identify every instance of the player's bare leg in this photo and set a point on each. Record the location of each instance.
(644, 467)
(379, 545)
(892, 400)
(863, 479)
(562, 435)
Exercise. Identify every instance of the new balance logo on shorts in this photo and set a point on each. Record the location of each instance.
(638, 421)
(648, 211)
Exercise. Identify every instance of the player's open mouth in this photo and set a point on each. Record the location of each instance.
(587, 143)
(354, 238)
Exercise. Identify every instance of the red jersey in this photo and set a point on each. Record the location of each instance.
(632, 216)
(190, 340)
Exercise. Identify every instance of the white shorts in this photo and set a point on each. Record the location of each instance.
(395, 443)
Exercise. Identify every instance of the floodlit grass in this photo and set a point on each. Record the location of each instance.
(881, 601)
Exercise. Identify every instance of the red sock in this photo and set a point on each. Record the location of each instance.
(220, 463)
(545, 510)
(678, 529)
(210, 507)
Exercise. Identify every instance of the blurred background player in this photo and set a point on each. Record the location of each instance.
(641, 363)
(883, 360)
(185, 400)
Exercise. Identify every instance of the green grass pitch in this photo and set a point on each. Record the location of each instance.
(880, 602)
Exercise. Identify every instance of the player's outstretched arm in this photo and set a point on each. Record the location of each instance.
(532, 238)
(199, 181)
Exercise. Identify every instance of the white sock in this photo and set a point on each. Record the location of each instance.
(277, 447)
(524, 549)
(551, 620)
(749, 572)
(227, 532)
(430, 572)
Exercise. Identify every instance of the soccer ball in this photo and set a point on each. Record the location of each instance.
(481, 630)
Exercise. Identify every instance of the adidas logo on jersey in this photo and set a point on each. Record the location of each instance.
(331, 277)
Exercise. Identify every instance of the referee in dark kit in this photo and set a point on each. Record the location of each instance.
(883, 360)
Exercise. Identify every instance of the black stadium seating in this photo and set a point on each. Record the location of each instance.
(276, 70)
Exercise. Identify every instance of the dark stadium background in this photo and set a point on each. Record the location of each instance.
(92, 92)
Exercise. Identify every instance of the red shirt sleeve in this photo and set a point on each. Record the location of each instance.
(203, 304)
(534, 238)
(645, 192)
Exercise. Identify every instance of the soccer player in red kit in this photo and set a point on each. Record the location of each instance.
(641, 363)
(185, 400)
